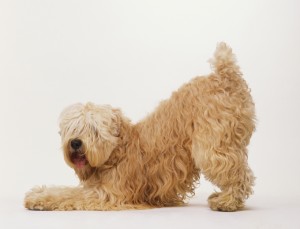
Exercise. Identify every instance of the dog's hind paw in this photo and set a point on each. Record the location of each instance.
(224, 202)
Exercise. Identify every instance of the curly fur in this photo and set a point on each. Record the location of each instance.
(204, 127)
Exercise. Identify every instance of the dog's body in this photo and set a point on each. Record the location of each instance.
(203, 128)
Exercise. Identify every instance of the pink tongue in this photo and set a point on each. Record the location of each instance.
(79, 162)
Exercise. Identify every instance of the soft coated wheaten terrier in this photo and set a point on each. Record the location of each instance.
(204, 127)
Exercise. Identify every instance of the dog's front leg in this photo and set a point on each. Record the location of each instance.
(65, 199)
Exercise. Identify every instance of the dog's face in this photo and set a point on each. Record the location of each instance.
(89, 133)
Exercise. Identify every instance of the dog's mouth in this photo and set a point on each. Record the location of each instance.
(78, 159)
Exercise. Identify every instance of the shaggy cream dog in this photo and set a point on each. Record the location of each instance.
(204, 127)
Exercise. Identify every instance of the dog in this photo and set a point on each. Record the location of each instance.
(203, 128)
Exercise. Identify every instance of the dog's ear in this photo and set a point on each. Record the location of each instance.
(104, 124)
(116, 122)
(98, 155)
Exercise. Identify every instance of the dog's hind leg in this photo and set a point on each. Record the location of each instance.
(228, 169)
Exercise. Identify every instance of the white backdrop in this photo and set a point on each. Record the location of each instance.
(132, 54)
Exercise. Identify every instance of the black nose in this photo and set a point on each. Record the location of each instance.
(76, 143)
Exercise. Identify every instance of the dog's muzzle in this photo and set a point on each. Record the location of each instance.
(76, 155)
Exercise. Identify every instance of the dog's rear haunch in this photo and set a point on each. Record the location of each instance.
(204, 127)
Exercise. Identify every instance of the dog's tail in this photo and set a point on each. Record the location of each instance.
(224, 62)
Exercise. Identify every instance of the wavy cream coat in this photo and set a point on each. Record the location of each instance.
(204, 127)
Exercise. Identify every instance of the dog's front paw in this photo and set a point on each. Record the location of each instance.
(38, 199)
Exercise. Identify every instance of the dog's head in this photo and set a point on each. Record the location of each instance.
(89, 134)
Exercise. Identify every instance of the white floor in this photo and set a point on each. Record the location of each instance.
(260, 213)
